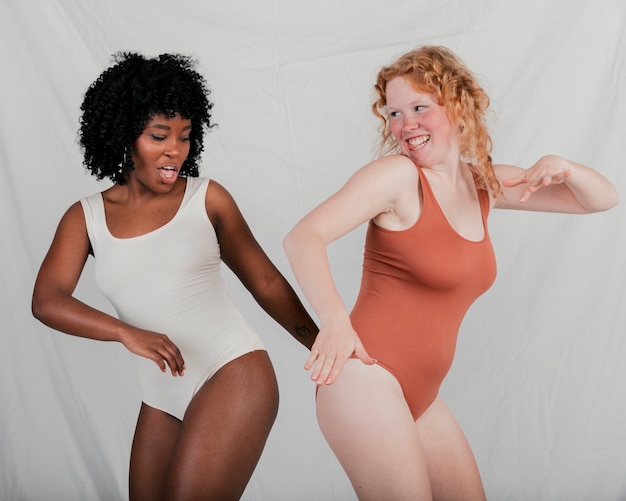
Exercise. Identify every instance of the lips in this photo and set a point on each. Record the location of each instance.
(415, 143)
(168, 174)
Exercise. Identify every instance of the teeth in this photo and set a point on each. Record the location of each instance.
(418, 141)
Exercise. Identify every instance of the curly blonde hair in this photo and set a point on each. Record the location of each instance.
(438, 71)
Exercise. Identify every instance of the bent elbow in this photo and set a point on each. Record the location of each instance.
(38, 308)
(290, 242)
(41, 307)
(609, 202)
(601, 202)
(612, 198)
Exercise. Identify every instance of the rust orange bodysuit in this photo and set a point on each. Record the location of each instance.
(416, 287)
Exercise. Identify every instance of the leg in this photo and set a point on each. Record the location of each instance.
(155, 438)
(224, 431)
(453, 471)
(367, 423)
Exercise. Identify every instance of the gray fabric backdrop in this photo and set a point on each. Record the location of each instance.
(538, 382)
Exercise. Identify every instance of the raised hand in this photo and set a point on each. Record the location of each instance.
(546, 171)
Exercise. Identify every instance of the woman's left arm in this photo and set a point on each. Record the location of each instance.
(244, 256)
(555, 184)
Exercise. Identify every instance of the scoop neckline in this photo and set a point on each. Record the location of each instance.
(151, 232)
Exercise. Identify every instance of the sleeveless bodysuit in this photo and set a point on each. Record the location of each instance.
(169, 281)
(416, 287)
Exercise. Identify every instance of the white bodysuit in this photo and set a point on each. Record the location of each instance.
(169, 281)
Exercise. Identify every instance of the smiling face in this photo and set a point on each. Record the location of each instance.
(160, 151)
(420, 125)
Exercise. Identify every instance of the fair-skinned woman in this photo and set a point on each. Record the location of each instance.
(427, 258)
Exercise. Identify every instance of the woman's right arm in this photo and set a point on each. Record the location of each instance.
(54, 305)
(371, 191)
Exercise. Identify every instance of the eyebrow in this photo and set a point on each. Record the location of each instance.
(165, 127)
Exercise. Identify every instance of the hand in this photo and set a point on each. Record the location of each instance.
(332, 347)
(156, 347)
(547, 171)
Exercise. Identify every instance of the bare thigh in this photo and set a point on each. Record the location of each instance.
(451, 465)
(155, 438)
(212, 453)
(224, 431)
(385, 453)
(367, 423)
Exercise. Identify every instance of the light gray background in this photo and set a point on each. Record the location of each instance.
(538, 382)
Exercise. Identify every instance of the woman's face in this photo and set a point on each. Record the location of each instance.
(160, 151)
(421, 125)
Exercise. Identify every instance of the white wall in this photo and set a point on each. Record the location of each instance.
(538, 383)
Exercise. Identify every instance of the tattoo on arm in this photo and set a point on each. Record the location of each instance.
(302, 331)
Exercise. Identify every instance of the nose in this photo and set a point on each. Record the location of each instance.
(410, 122)
(172, 148)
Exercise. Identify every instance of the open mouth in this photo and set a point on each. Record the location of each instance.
(415, 143)
(168, 174)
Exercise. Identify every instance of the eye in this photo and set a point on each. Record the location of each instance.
(185, 139)
(393, 115)
(419, 107)
(157, 137)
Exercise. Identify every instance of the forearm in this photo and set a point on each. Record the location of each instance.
(67, 314)
(309, 260)
(337, 340)
(63, 312)
(280, 301)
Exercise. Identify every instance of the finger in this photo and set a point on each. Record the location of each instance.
(324, 370)
(159, 361)
(174, 359)
(312, 358)
(514, 181)
(180, 362)
(363, 356)
(171, 362)
(561, 176)
(336, 370)
(527, 193)
(317, 368)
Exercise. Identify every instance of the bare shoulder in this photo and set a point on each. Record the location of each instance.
(71, 237)
(71, 232)
(74, 218)
(399, 183)
(391, 172)
(220, 204)
(217, 195)
(397, 165)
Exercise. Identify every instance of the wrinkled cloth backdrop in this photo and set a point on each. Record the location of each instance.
(538, 382)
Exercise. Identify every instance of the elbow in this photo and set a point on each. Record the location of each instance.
(302, 242)
(289, 243)
(610, 201)
(40, 307)
(602, 200)
(298, 240)
(611, 197)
